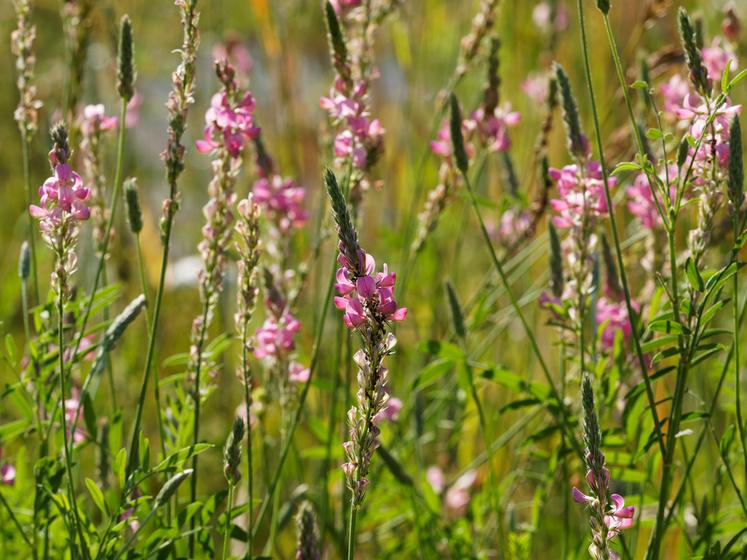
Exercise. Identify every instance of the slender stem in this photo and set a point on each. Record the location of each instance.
(65, 439)
(351, 529)
(735, 344)
(227, 530)
(635, 335)
(135, 533)
(301, 402)
(249, 455)
(522, 318)
(29, 200)
(18, 525)
(116, 195)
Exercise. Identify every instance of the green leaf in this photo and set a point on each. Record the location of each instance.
(626, 166)
(693, 275)
(639, 84)
(98, 496)
(177, 459)
(660, 342)
(654, 134)
(432, 373)
(736, 79)
(727, 439)
(667, 326)
(120, 465)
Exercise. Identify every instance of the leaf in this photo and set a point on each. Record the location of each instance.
(10, 349)
(726, 440)
(178, 458)
(432, 373)
(639, 84)
(626, 166)
(736, 79)
(668, 326)
(693, 275)
(120, 465)
(657, 343)
(654, 134)
(98, 496)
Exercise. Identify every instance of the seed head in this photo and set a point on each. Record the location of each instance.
(126, 70)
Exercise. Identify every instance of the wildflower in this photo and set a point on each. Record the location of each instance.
(95, 119)
(283, 201)
(7, 472)
(457, 496)
(613, 317)
(390, 412)
(236, 53)
(276, 336)
(716, 58)
(72, 405)
(364, 296)
(132, 112)
(228, 124)
(21, 45)
(608, 518)
(674, 92)
(536, 87)
(369, 305)
(492, 128)
(581, 194)
(435, 477)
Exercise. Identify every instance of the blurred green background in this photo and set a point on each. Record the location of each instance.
(416, 51)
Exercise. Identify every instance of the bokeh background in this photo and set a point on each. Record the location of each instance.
(416, 52)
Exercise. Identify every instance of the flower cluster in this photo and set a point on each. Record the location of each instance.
(275, 341)
(458, 495)
(228, 124)
(367, 300)
(62, 205)
(92, 122)
(365, 296)
(21, 45)
(609, 516)
(73, 414)
(581, 193)
(282, 200)
(613, 318)
(359, 137)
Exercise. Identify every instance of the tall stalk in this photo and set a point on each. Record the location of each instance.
(635, 334)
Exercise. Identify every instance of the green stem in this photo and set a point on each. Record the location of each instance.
(29, 201)
(517, 308)
(227, 531)
(635, 335)
(19, 527)
(735, 344)
(116, 195)
(249, 455)
(134, 535)
(67, 449)
(301, 402)
(351, 529)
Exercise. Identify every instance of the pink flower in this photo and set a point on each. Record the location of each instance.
(62, 193)
(132, 116)
(366, 296)
(613, 317)
(297, 373)
(581, 195)
(641, 202)
(674, 93)
(536, 87)
(390, 411)
(359, 137)
(227, 125)
(276, 336)
(435, 477)
(7, 472)
(283, 200)
(458, 495)
(94, 118)
(620, 517)
(493, 129)
(716, 57)
(71, 408)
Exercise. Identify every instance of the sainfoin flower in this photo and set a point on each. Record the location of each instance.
(61, 195)
(492, 128)
(366, 297)
(282, 199)
(581, 194)
(71, 411)
(641, 201)
(613, 318)
(227, 124)
(7, 472)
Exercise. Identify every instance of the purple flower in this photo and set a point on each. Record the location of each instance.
(94, 118)
(275, 336)
(641, 202)
(61, 194)
(366, 294)
(492, 129)
(613, 317)
(581, 194)
(228, 125)
(620, 517)
(7, 472)
(716, 57)
(283, 201)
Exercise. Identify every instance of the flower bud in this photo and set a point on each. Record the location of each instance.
(126, 69)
